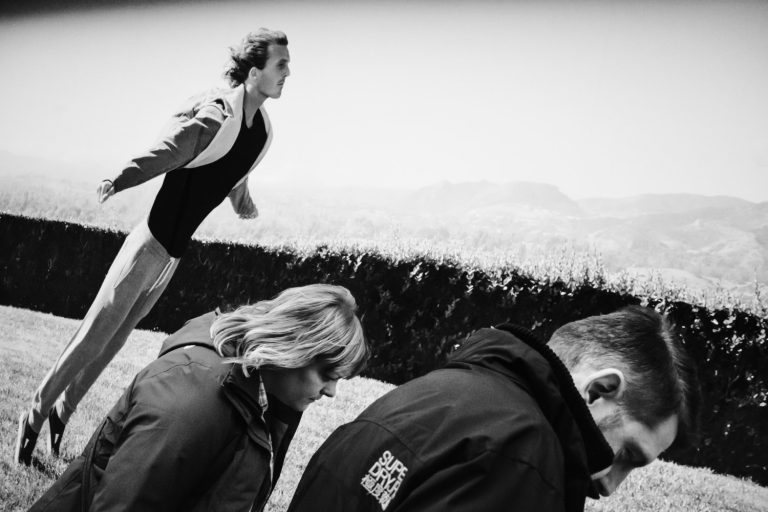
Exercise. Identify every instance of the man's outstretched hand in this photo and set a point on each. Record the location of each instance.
(105, 190)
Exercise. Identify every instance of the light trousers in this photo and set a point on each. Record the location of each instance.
(135, 281)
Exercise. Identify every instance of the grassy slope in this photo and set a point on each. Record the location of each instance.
(30, 341)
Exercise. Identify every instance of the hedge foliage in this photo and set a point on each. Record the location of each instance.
(414, 311)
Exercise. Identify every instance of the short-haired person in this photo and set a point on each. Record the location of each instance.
(513, 424)
(207, 425)
(209, 147)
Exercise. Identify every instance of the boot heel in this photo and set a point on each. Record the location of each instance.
(55, 432)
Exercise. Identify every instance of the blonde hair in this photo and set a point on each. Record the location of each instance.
(300, 326)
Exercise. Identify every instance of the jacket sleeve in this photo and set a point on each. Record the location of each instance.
(185, 139)
(490, 482)
(171, 436)
(362, 467)
(65, 493)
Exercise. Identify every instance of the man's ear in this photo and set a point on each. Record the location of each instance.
(608, 384)
(254, 72)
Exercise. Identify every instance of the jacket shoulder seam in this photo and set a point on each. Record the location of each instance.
(175, 366)
(402, 441)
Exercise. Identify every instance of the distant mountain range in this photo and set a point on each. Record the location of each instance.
(710, 236)
(700, 242)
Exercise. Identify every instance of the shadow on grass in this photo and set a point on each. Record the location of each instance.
(45, 469)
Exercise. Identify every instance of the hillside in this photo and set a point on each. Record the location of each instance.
(704, 244)
(718, 241)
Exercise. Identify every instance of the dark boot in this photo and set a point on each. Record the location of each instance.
(26, 438)
(55, 432)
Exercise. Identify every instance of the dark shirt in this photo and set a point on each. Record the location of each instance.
(189, 195)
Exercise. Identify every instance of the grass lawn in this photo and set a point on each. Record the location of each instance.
(30, 341)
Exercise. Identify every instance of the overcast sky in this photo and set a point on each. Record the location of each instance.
(609, 98)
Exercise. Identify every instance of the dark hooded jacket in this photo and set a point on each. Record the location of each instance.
(188, 434)
(500, 427)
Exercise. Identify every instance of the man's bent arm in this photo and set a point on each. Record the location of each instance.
(184, 141)
(489, 482)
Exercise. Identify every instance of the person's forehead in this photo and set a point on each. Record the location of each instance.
(279, 52)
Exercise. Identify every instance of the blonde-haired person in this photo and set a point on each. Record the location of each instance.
(207, 425)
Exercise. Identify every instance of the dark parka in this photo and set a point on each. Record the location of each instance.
(501, 427)
(188, 434)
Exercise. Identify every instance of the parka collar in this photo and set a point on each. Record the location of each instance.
(241, 391)
(519, 355)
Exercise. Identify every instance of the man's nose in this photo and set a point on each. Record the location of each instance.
(329, 389)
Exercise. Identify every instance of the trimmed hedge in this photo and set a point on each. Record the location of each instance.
(414, 311)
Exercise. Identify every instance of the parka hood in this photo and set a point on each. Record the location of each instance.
(241, 391)
(278, 422)
(196, 331)
(518, 355)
